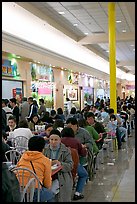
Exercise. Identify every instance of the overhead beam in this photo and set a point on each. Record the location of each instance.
(103, 38)
(126, 63)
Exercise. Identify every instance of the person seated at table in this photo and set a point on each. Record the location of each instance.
(34, 121)
(112, 125)
(11, 125)
(10, 128)
(22, 130)
(61, 155)
(58, 124)
(10, 185)
(45, 134)
(68, 138)
(42, 165)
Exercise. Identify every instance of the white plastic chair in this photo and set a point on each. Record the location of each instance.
(13, 156)
(20, 143)
(24, 176)
(28, 192)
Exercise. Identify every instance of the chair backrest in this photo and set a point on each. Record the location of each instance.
(20, 141)
(13, 156)
(24, 176)
(28, 192)
(75, 158)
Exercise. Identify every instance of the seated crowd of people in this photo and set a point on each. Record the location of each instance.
(56, 139)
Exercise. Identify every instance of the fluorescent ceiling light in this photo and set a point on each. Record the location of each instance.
(49, 38)
(61, 12)
(118, 21)
(86, 33)
(75, 24)
(124, 31)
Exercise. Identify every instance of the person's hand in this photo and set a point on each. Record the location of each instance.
(56, 162)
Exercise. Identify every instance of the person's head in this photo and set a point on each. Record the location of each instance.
(90, 118)
(67, 99)
(12, 121)
(112, 117)
(111, 111)
(35, 118)
(67, 132)
(52, 113)
(73, 110)
(3, 103)
(23, 124)
(13, 102)
(36, 143)
(30, 100)
(58, 123)
(59, 111)
(48, 129)
(124, 108)
(72, 123)
(55, 138)
(41, 101)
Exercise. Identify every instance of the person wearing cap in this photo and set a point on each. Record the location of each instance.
(61, 155)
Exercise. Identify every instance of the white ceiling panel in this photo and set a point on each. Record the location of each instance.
(92, 17)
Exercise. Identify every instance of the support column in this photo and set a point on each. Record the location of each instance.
(112, 55)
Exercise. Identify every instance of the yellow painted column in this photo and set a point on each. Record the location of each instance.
(112, 55)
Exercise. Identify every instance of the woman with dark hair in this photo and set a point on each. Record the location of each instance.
(61, 114)
(68, 138)
(34, 121)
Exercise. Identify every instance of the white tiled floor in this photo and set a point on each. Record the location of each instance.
(114, 183)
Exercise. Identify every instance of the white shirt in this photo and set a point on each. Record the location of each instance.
(21, 132)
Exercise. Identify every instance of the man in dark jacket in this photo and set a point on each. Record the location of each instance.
(10, 184)
(15, 109)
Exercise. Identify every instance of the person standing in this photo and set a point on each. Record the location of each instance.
(24, 109)
(32, 109)
(42, 108)
(15, 109)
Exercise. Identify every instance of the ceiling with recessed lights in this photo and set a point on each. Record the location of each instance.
(87, 23)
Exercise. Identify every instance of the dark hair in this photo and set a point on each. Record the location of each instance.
(11, 117)
(73, 110)
(13, 100)
(60, 111)
(67, 132)
(3, 101)
(58, 123)
(110, 111)
(23, 124)
(52, 112)
(48, 125)
(56, 132)
(30, 99)
(113, 117)
(36, 143)
(89, 114)
(41, 100)
(73, 121)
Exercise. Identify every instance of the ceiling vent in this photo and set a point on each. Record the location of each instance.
(98, 32)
